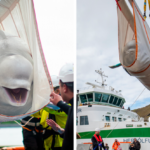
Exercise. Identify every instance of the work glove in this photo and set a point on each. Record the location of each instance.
(99, 144)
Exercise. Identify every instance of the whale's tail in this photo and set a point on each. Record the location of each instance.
(115, 66)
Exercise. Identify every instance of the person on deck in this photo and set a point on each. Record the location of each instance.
(32, 132)
(66, 82)
(52, 139)
(97, 140)
(106, 147)
(137, 144)
(115, 145)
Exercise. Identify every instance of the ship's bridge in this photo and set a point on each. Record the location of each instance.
(101, 96)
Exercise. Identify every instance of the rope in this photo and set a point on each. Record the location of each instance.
(137, 97)
(25, 123)
(130, 107)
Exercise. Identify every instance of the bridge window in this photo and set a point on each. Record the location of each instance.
(105, 98)
(98, 97)
(111, 99)
(122, 104)
(124, 119)
(107, 118)
(84, 120)
(90, 97)
(115, 100)
(119, 101)
(114, 119)
(119, 119)
(83, 98)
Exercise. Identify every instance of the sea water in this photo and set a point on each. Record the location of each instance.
(11, 136)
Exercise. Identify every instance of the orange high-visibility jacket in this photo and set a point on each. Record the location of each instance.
(115, 145)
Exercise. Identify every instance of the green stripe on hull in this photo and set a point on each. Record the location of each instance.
(118, 133)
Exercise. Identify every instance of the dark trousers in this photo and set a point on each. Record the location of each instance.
(97, 148)
(32, 141)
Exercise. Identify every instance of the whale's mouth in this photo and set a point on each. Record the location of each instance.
(17, 96)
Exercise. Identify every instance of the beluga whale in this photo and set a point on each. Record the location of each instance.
(25, 81)
(16, 75)
(133, 42)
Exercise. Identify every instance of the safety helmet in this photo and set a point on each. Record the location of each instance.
(66, 73)
(97, 129)
(55, 80)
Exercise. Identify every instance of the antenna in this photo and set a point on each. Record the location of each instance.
(111, 88)
(94, 85)
(101, 73)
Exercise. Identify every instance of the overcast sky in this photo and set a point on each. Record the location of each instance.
(97, 47)
(56, 22)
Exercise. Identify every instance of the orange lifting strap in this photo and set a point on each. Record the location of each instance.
(31, 130)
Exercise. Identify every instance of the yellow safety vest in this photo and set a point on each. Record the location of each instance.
(61, 118)
(37, 114)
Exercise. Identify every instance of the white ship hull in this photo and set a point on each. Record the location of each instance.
(124, 131)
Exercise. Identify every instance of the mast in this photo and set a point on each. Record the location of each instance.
(101, 73)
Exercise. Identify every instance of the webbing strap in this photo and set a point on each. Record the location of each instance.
(38, 131)
(27, 128)
(118, 4)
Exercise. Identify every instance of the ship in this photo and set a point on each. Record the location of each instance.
(101, 106)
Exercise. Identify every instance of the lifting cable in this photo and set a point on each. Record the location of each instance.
(125, 114)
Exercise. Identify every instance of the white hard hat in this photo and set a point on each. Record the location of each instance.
(97, 129)
(55, 81)
(66, 73)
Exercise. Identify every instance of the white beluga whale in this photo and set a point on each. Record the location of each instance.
(133, 42)
(16, 75)
(25, 82)
(129, 53)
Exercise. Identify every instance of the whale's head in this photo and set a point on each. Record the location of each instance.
(129, 53)
(16, 75)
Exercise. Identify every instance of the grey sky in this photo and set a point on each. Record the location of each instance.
(97, 47)
(56, 22)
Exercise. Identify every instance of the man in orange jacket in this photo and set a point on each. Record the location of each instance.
(115, 145)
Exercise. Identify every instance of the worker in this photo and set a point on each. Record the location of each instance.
(106, 147)
(97, 140)
(66, 82)
(137, 144)
(32, 132)
(115, 145)
(53, 139)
